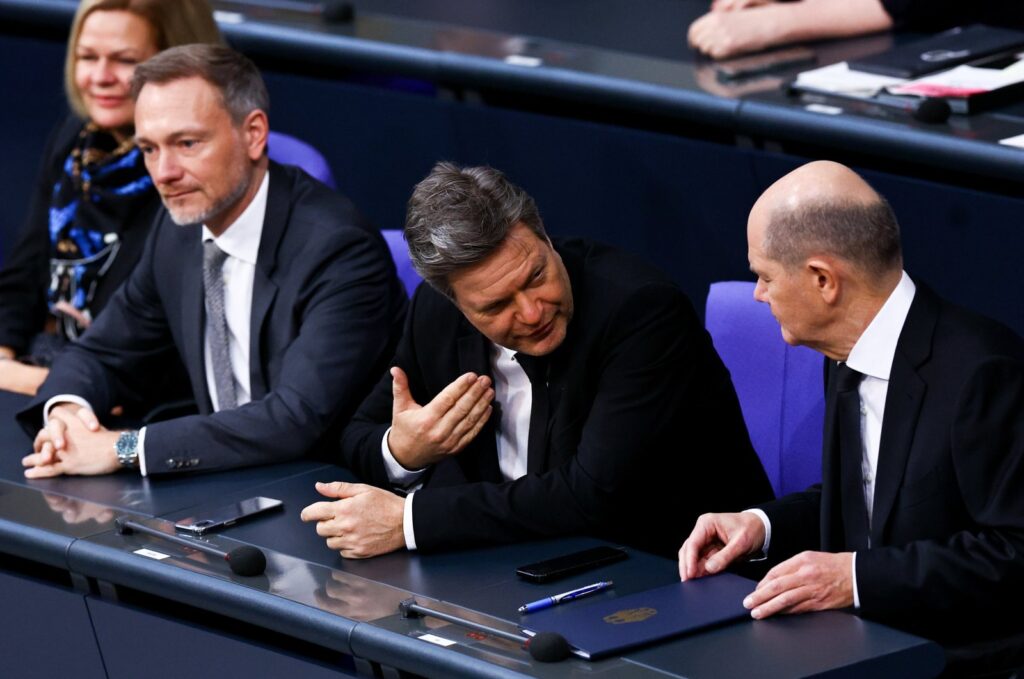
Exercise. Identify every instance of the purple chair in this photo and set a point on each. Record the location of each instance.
(780, 387)
(400, 253)
(288, 150)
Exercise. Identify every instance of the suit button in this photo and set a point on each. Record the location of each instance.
(194, 461)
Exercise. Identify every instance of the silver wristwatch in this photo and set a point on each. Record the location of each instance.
(127, 449)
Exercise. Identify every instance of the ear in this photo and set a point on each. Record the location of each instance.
(255, 129)
(826, 280)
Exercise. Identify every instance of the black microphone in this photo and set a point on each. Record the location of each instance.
(543, 647)
(245, 560)
(932, 110)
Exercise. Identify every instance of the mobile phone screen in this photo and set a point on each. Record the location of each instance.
(227, 515)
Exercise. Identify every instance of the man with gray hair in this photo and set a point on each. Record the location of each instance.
(919, 518)
(281, 301)
(542, 388)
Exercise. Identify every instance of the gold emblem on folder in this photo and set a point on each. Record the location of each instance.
(630, 615)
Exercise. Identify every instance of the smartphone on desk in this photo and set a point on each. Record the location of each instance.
(227, 515)
(570, 564)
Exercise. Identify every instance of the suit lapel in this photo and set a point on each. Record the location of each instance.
(902, 407)
(264, 288)
(193, 310)
(832, 533)
(483, 453)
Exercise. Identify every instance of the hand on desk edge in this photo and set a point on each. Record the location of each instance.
(362, 521)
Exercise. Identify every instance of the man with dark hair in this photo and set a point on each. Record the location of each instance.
(919, 518)
(541, 388)
(280, 300)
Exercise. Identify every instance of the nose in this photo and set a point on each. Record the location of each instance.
(530, 310)
(165, 168)
(104, 73)
(759, 292)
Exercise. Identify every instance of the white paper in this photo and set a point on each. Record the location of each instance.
(440, 641)
(151, 554)
(839, 79)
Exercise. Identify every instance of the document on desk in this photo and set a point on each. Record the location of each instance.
(615, 625)
(840, 80)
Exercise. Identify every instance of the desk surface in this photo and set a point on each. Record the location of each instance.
(311, 593)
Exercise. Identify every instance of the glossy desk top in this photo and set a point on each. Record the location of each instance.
(310, 592)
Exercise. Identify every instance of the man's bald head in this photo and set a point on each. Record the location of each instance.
(824, 208)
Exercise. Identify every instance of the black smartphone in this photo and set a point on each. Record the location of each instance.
(227, 515)
(569, 564)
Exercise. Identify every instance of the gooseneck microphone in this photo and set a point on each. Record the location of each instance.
(245, 560)
(543, 647)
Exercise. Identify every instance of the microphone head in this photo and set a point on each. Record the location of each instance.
(337, 12)
(933, 111)
(548, 647)
(246, 560)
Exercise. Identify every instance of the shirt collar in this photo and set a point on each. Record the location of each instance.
(241, 239)
(876, 347)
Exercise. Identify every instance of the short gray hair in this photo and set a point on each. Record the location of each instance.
(863, 233)
(231, 73)
(457, 216)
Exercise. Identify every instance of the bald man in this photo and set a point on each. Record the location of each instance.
(919, 519)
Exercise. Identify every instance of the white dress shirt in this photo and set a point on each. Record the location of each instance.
(512, 389)
(241, 242)
(872, 356)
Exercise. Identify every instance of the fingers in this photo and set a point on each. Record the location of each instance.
(55, 429)
(402, 399)
(472, 432)
(45, 456)
(441, 404)
(467, 414)
(703, 538)
(340, 489)
(88, 418)
(787, 594)
(68, 310)
(44, 471)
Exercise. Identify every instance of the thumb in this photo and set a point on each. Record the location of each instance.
(402, 399)
(338, 489)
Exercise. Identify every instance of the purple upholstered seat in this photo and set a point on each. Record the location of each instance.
(780, 387)
(400, 253)
(288, 150)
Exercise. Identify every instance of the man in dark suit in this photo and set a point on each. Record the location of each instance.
(566, 388)
(282, 303)
(919, 519)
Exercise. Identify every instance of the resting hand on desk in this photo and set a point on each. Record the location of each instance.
(744, 26)
(363, 521)
(810, 581)
(73, 442)
(423, 435)
(21, 378)
(717, 540)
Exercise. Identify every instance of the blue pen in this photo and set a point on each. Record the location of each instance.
(548, 602)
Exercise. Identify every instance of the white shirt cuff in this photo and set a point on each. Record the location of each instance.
(62, 398)
(142, 451)
(410, 536)
(397, 474)
(767, 531)
(853, 574)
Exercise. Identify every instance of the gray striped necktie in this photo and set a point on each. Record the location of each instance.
(217, 325)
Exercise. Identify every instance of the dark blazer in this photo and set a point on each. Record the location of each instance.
(643, 417)
(947, 530)
(327, 309)
(25, 275)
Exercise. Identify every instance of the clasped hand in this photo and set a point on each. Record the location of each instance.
(73, 442)
(423, 435)
(809, 581)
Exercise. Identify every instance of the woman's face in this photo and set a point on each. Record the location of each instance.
(110, 45)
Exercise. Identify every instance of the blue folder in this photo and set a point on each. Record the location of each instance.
(612, 626)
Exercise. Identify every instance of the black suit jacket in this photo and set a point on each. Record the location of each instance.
(327, 309)
(643, 417)
(947, 530)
